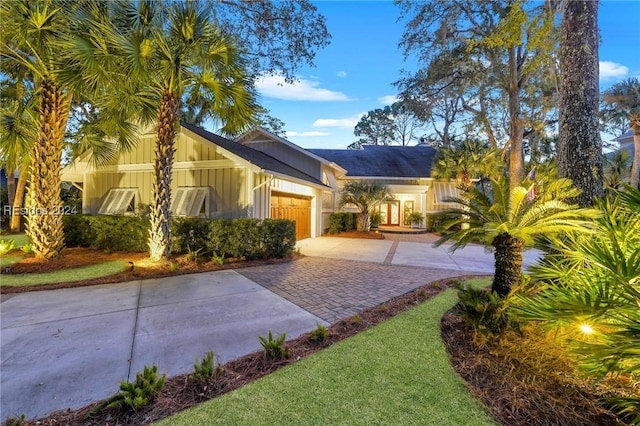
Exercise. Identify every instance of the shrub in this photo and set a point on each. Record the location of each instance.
(416, 218)
(433, 223)
(375, 219)
(245, 239)
(274, 348)
(77, 230)
(190, 235)
(112, 233)
(340, 222)
(206, 368)
(220, 237)
(319, 334)
(135, 395)
(278, 237)
(27, 249)
(485, 311)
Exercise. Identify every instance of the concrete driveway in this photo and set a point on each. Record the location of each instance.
(66, 348)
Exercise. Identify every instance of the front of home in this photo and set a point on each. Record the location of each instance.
(259, 175)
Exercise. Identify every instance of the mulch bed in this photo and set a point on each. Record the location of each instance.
(143, 267)
(371, 235)
(180, 392)
(529, 380)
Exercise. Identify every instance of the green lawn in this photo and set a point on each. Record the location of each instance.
(66, 275)
(19, 239)
(8, 260)
(395, 373)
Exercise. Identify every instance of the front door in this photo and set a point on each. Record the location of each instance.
(390, 213)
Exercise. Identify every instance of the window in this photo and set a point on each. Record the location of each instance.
(119, 201)
(191, 202)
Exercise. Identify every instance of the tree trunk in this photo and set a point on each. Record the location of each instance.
(635, 168)
(18, 200)
(160, 232)
(364, 222)
(579, 145)
(44, 223)
(516, 127)
(508, 265)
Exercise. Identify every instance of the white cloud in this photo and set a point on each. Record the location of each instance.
(301, 90)
(610, 69)
(348, 122)
(307, 134)
(388, 100)
(341, 74)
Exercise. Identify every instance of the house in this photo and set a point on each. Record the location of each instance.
(406, 170)
(625, 141)
(258, 175)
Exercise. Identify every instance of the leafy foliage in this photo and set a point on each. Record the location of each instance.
(511, 221)
(485, 311)
(205, 368)
(319, 334)
(364, 196)
(590, 286)
(135, 395)
(6, 246)
(274, 347)
(340, 222)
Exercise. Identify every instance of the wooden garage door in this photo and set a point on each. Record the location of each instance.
(297, 208)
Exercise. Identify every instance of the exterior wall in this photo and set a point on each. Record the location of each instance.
(227, 181)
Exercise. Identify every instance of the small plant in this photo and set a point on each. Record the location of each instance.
(356, 320)
(6, 246)
(206, 368)
(193, 255)
(27, 249)
(319, 334)
(16, 421)
(274, 348)
(217, 259)
(135, 395)
(485, 311)
(415, 218)
(173, 267)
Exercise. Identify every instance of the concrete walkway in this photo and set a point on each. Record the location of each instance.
(66, 348)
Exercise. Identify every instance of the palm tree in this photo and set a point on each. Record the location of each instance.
(622, 103)
(18, 130)
(510, 222)
(469, 161)
(365, 196)
(167, 54)
(33, 36)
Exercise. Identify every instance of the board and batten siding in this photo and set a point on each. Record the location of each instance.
(227, 183)
(288, 155)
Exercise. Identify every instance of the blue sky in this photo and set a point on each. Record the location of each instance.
(355, 73)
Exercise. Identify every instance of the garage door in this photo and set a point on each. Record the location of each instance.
(293, 207)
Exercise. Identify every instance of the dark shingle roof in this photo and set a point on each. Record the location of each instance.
(383, 161)
(253, 156)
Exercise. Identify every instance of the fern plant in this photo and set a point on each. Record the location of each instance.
(486, 312)
(319, 334)
(274, 347)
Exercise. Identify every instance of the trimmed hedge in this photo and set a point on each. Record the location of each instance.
(339, 222)
(247, 238)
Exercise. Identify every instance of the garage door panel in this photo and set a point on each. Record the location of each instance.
(293, 208)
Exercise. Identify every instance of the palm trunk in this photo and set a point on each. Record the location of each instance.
(44, 223)
(508, 265)
(18, 199)
(160, 232)
(11, 186)
(635, 168)
(364, 221)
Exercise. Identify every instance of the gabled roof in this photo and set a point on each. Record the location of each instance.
(625, 137)
(383, 161)
(253, 156)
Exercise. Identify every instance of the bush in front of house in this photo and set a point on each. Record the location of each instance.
(111, 233)
(246, 238)
(341, 222)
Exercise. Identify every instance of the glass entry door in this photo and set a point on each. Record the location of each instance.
(390, 213)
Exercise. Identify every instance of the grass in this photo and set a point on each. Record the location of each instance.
(66, 275)
(395, 373)
(19, 239)
(8, 260)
